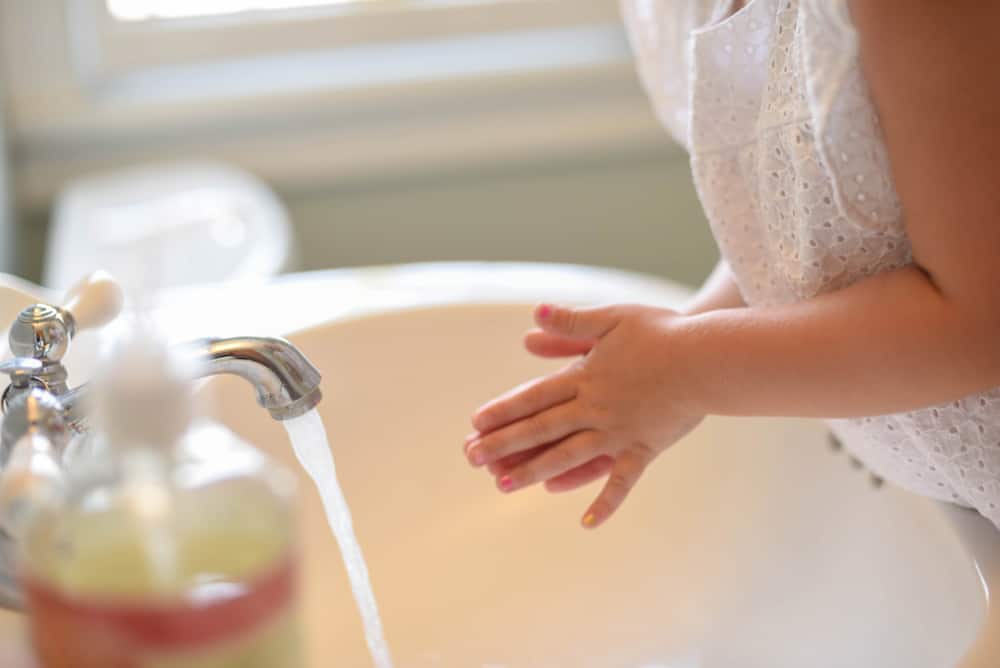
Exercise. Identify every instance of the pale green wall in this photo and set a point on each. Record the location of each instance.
(6, 222)
(633, 211)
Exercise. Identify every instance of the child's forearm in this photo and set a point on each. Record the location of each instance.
(718, 292)
(887, 344)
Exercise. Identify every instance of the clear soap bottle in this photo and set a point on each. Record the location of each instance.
(174, 545)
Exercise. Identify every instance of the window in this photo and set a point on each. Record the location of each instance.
(144, 10)
(300, 91)
(123, 37)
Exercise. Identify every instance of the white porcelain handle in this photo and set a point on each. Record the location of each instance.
(94, 301)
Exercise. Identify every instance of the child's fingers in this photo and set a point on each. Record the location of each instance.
(572, 452)
(627, 469)
(581, 475)
(543, 344)
(507, 464)
(578, 323)
(549, 426)
(525, 400)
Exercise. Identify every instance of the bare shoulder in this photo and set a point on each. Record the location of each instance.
(937, 36)
(928, 59)
(932, 70)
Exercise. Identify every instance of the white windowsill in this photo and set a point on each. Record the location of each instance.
(372, 66)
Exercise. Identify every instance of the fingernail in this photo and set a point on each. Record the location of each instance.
(506, 483)
(469, 445)
(471, 437)
(544, 311)
(477, 457)
(589, 520)
(479, 421)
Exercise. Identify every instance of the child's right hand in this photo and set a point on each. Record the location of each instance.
(544, 344)
(551, 341)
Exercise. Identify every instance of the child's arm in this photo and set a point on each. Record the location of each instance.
(917, 336)
(891, 343)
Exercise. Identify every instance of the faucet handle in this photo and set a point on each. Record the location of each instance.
(44, 332)
(95, 301)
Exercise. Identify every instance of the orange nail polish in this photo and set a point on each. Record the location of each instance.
(589, 520)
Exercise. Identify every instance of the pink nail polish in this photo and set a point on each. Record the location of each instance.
(506, 483)
(544, 312)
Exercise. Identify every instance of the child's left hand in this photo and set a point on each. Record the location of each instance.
(609, 413)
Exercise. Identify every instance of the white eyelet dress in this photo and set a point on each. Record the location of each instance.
(793, 174)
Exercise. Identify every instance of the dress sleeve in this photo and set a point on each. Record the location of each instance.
(660, 34)
(848, 132)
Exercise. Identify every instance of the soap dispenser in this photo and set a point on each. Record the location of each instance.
(173, 542)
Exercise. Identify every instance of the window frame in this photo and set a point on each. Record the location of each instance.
(104, 47)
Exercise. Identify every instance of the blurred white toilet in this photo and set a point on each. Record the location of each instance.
(168, 225)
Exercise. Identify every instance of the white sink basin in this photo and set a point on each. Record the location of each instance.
(749, 544)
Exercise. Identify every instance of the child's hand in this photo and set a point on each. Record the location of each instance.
(611, 412)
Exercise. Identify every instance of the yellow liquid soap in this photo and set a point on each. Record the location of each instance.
(141, 575)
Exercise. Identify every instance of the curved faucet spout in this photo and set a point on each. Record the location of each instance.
(286, 382)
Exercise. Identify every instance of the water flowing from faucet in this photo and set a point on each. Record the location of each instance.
(308, 437)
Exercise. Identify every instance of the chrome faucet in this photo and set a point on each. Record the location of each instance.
(47, 421)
